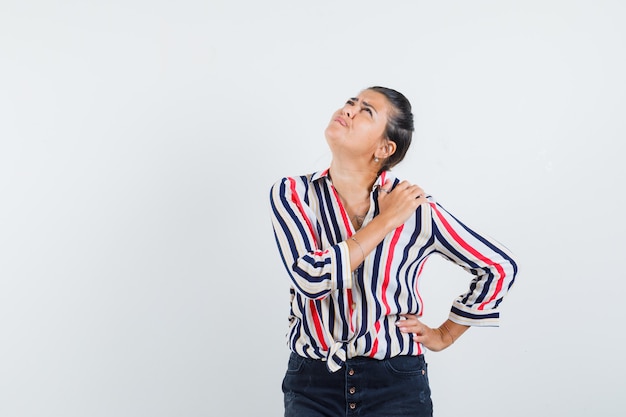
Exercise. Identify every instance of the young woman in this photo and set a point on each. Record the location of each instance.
(353, 240)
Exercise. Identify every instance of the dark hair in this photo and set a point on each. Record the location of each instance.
(399, 126)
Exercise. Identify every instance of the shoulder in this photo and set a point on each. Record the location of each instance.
(292, 184)
(395, 180)
(299, 179)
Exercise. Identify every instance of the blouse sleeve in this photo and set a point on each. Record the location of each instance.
(490, 262)
(314, 271)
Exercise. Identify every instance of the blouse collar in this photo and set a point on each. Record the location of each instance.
(380, 180)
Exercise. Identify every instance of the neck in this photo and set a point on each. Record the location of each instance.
(352, 183)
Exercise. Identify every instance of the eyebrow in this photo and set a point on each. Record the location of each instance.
(365, 103)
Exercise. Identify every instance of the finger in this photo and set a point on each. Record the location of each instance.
(386, 187)
(423, 335)
(410, 319)
(404, 185)
(410, 324)
(404, 326)
(419, 192)
(412, 189)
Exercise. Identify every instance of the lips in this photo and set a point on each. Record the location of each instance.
(341, 121)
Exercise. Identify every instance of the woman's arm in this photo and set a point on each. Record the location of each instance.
(491, 264)
(313, 271)
(493, 270)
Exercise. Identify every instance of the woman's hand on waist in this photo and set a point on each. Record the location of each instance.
(434, 339)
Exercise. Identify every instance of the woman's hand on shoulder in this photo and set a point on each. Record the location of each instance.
(401, 202)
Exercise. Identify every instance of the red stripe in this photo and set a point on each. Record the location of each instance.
(348, 226)
(392, 248)
(350, 301)
(296, 200)
(477, 254)
(394, 242)
(344, 214)
(375, 345)
(318, 324)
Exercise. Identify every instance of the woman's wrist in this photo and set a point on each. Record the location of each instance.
(445, 333)
(451, 331)
(384, 222)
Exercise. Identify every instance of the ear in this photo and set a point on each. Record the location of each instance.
(385, 150)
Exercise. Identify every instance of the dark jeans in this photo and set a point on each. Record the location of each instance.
(396, 387)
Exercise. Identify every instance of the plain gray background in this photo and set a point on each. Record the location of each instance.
(139, 139)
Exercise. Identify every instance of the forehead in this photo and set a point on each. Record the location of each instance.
(373, 96)
(375, 99)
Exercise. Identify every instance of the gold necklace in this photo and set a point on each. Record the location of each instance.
(358, 219)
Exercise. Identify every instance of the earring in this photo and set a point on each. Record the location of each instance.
(375, 159)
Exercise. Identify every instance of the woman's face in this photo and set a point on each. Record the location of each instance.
(359, 126)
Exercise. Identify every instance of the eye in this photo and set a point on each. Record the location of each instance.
(367, 109)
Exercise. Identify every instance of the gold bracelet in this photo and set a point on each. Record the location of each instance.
(448, 330)
(360, 247)
(440, 333)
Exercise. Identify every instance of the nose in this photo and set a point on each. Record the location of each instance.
(348, 110)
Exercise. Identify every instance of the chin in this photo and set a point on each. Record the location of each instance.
(330, 132)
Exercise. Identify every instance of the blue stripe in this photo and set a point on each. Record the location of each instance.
(462, 313)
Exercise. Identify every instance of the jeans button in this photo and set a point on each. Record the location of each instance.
(351, 372)
(352, 390)
(352, 406)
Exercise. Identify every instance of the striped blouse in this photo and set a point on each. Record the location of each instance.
(336, 313)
